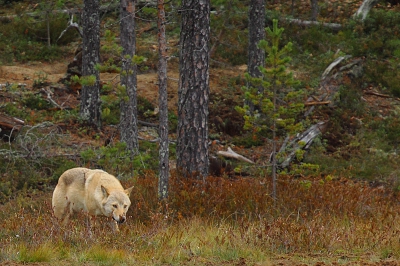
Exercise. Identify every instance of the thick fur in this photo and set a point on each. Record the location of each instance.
(94, 192)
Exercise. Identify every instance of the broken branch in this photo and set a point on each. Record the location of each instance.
(231, 154)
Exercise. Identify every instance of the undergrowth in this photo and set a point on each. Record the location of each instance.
(224, 221)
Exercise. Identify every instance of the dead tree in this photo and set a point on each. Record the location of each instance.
(328, 88)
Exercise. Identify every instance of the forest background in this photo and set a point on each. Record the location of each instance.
(338, 203)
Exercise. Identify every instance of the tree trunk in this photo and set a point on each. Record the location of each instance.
(163, 181)
(256, 55)
(128, 118)
(90, 95)
(314, 10)
(193, 92)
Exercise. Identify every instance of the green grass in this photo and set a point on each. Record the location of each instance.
(42, 253)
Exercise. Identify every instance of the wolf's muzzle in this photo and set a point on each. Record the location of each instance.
(121, 220)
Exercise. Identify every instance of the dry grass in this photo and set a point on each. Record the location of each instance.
(224, 222)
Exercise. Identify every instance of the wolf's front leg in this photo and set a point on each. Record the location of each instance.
(90, 224)
(115, 226)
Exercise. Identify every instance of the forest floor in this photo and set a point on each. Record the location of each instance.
(27, 73)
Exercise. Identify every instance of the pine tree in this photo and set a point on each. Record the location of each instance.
(163, 181)
(279, 104)
(194, 89)
(90, 94)
(128, 105)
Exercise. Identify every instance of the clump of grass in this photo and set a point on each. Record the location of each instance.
(42, 253)
(102, 256)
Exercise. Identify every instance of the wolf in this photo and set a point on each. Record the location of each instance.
(95, 192)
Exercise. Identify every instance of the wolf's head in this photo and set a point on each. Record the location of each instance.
(116, 203)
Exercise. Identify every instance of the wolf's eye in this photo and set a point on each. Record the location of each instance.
(115, 206)
(125, 206)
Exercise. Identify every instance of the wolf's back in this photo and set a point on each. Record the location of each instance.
(73, 176)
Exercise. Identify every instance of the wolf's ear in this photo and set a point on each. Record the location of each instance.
(128, 191)
(105, 191)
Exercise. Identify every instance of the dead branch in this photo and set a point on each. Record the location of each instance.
(317, 103)
(48, 93)
(377, 94)
(333, 65)
(71, 24)
(231, 154)
(147, 123)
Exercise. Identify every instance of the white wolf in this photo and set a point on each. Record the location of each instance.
(94, 192)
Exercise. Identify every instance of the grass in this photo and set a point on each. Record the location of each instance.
(327, 220)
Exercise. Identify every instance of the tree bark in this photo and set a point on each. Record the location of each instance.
(90, 95)
(128, 106)
(163, 182)
(193, 92)
(256, 57)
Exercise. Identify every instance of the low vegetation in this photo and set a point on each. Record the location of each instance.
(223, 222)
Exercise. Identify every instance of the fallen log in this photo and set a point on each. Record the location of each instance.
(307, 23)
(10, 127)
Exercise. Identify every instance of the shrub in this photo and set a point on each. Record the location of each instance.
(36, 102)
